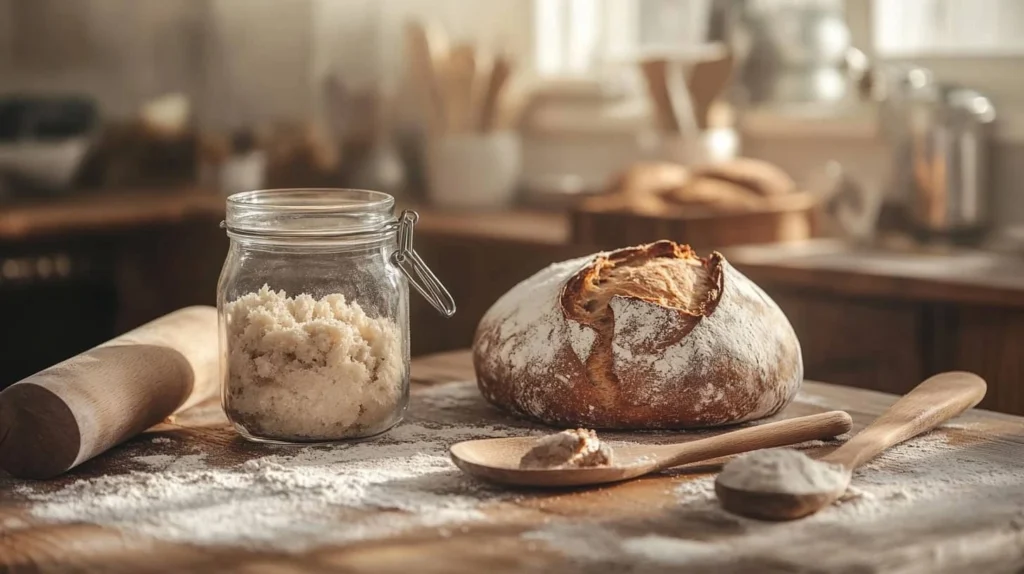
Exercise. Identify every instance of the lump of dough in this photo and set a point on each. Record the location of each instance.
(568, 449)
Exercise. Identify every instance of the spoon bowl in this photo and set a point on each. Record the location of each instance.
(497, 460)
(776, 506)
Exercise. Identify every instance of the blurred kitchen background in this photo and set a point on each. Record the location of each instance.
(869, 156)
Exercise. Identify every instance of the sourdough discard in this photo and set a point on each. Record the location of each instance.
(571, 448)
(301, 368)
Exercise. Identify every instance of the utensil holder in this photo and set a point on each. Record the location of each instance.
(473, 170)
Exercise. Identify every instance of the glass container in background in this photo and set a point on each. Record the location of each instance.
(314, 313)
(791, 52)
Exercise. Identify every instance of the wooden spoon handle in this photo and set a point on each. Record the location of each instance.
(781, 433)
(657, 90)
(928, 405)
(500, 71)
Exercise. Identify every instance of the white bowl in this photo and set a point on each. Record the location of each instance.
(473, 170)
(52, 165)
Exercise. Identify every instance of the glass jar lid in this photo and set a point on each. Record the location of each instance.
(309, 212)
(350, 215)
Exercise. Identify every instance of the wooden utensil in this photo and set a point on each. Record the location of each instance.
(422, 53)
(679, 98)
(60, 417)
(655, 76)
(707, 80)
(497, 460)
(460, 79)
(928, 405)
(497, 79)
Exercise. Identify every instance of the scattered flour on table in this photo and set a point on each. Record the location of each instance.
(668, 550)
(12, 523)
(186, 462)
(814, 400)
(450, 396)
(916, 485)
(161, 440)
(288, 501)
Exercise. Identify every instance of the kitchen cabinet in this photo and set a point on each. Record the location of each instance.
(885, 321)
(867, 343)
(888, 345)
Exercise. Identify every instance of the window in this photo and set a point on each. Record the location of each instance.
(975, 42)
(909, 28)
(582, 38)
(971, 42)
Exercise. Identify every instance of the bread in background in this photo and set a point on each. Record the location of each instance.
(659, 188)
(759, 177)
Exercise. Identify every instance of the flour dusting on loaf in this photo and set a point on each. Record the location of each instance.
(645, 337)
(532, 334)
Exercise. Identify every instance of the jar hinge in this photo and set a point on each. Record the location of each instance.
(409, 263)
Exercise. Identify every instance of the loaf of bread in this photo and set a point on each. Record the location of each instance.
(717, 194)
(658, 188)
(759, 177)
(644, 337)
(650, 178)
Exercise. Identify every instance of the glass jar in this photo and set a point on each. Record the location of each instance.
(314, 313)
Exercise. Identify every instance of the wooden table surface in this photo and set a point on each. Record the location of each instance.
(111, 211)
(667, 522)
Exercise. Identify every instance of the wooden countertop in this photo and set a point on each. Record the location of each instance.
(665, 522)
(105, 212)
(955, 275)
(115, 211)
(517, 225)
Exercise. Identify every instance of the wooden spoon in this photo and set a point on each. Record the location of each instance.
(460, 79)
(422, 53)
(928, 405)
(501, 69)
(497, 460)
(707, 81)
(655, 75)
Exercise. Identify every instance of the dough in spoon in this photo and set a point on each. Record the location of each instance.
(568, 449)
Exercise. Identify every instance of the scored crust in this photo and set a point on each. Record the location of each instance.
(645, 337)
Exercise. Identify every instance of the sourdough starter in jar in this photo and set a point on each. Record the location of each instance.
(314, 313)
(311, 369)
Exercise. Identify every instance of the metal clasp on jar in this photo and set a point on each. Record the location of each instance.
(409, 263)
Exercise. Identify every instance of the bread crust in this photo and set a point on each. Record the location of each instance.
(728, 356)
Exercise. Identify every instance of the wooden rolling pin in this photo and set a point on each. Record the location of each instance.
(61, 417)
